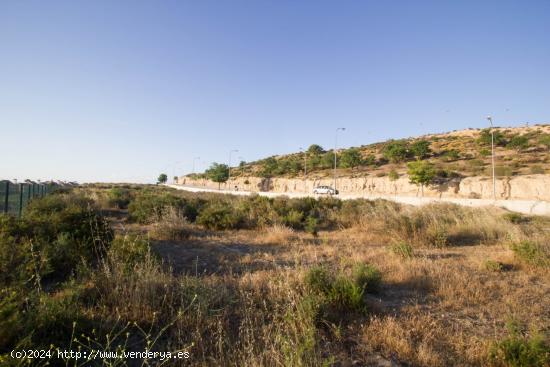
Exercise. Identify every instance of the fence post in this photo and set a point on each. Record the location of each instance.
(6, 198)
(20, 199)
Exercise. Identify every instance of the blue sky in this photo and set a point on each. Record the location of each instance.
(122, 90)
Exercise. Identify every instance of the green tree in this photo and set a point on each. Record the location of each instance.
(162, 178)
(269, 167)
(421, 149)
(396, 151)
(370, 160)
(518, 142)
(315, 149)
(421, 173)
(485, 137)
(218, 173)
(350, 158)
(327, 160)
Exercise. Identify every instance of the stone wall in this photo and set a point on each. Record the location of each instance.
(531, 187)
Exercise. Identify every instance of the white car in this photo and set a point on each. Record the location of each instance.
(325, 190)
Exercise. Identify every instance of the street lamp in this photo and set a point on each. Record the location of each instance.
(493, 156)
(305, 161)
(231, 151)
(194, 160)
(335, 146)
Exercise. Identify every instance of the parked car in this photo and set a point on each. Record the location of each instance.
(325, 190)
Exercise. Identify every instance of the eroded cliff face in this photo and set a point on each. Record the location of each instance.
(531, 187)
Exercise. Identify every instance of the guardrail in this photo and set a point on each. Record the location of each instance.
(15, 196)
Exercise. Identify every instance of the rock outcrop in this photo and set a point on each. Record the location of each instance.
(530, 187)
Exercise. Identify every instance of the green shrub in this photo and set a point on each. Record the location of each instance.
(311, 225)
(218, 216)
(341, 293)
(518, 142)
(393, 175)
(129, 250)
(396, 151)
(119, 197)
(532, 253)
(492, 265)
(367, 277)
(318, 280)
(484, 152)
(148, 206)
(345, 295)
(55, 234)
(515, 218)
(437, 236)
(451, 155)
(519, 351)
(403, 249)
(293, 219)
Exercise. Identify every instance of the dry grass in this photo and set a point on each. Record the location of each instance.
(171, 226)
(244, 302)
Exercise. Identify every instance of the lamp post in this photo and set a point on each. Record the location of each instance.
(231, 151)
(493, 156)
(335, 146)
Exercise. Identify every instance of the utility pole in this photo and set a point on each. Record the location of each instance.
(335, 147)
(493, 156)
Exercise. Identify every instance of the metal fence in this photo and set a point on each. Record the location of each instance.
(15, 196)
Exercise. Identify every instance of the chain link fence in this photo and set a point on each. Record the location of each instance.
(15, 196)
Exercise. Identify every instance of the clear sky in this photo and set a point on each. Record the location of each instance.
(122, 90)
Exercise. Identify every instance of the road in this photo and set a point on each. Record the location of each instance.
(521, 206)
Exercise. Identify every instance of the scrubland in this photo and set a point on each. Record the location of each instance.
(252, 281)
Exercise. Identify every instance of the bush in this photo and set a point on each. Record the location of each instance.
(345, 295)
(172, 226)
(518, 142)
(396, 151)
(149, 206)
(218, 216)
(119, 197)
(367, 277)
(311, 225)
(402, 249)
(393, 175)
(492, 265)
(129, 250)
(520, 351)
(56, 234)
(532, 253)
(318, 280)
(342, 293)
(484, 152)
(515, 218)
(451, 155)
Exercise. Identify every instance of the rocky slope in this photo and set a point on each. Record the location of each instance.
(528, 187)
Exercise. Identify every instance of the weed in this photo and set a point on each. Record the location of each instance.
(520, 351)
(402, 249)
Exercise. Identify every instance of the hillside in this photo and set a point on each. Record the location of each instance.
(464, 153)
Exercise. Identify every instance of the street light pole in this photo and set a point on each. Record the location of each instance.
(493, 156)
(231, 151)
(335, 146)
